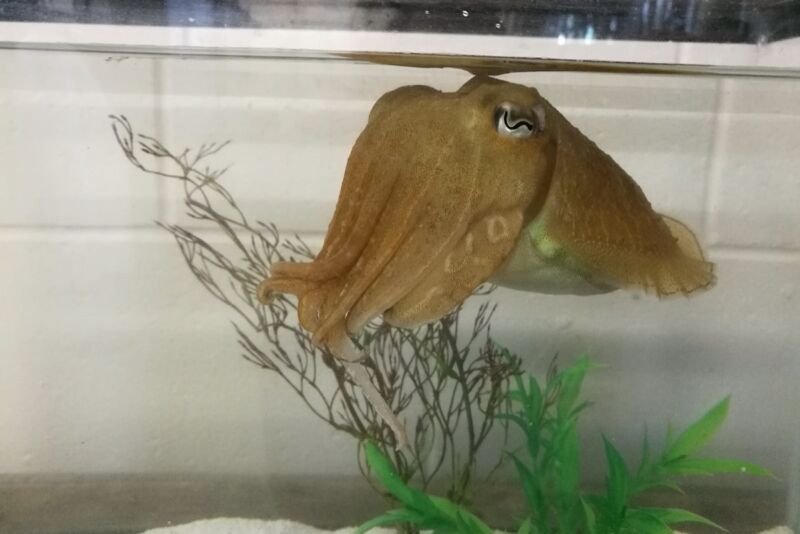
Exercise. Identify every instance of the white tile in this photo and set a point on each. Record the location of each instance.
(762, 96)
(780, 54)
(755, 190)
(718, 54)
(61, 164)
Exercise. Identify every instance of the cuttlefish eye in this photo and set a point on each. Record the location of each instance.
(520, 123)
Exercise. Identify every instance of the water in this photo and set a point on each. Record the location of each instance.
(125, 404)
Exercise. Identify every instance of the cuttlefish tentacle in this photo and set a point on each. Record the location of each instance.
(350, 356)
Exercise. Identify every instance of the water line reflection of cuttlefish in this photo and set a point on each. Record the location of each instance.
(445, 191)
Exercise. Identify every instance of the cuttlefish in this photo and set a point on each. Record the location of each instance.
(445, 191)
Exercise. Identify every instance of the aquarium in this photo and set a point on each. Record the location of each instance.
(275, 266)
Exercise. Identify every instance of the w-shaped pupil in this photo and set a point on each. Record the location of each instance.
(517, 124)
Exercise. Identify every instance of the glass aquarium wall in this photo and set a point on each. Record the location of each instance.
(728, 21)
(131, 396)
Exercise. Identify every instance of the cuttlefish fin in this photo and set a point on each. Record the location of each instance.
(693, 272)
(685, 238)
(602, 219)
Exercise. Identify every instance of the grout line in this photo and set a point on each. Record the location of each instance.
(158, 132)
(713, 181)
(7, 228)
(708, 167)
(312, 238)
(754, 253)
(75, 233)
(77, 228)
(128, 233)
(679, 53)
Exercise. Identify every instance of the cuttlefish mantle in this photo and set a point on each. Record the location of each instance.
(445, 191)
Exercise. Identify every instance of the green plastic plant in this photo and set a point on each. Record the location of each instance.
(548, 467)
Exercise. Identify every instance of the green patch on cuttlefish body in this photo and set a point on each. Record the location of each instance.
(542, 241)
(541, 264)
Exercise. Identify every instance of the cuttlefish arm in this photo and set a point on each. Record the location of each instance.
(442, 190)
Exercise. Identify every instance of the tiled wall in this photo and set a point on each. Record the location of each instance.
(113, 359)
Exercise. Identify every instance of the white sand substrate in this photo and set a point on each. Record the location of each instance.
(232, 525)
(226, 525)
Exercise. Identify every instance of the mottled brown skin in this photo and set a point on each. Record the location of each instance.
(434, 201)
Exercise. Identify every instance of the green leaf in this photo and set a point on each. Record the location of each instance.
(392, 517)
(425, 512)
(388, 477)
(617, 482)
(645, 460)
(589, 518)
(455, 517)
(580, 408)
(533, 403)
(517, 395)
(710, 466)
(529, 486)
(671, 516)
(642, 485)
(470, 524)
(445, 508)
(516, 419)
(570, 381)
(525, 527)
(699, 432)
(641, 522)
(519, 385)
(567, 465)
(599, 503)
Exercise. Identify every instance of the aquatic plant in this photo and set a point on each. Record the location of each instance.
(548, 470)
(441, 379)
